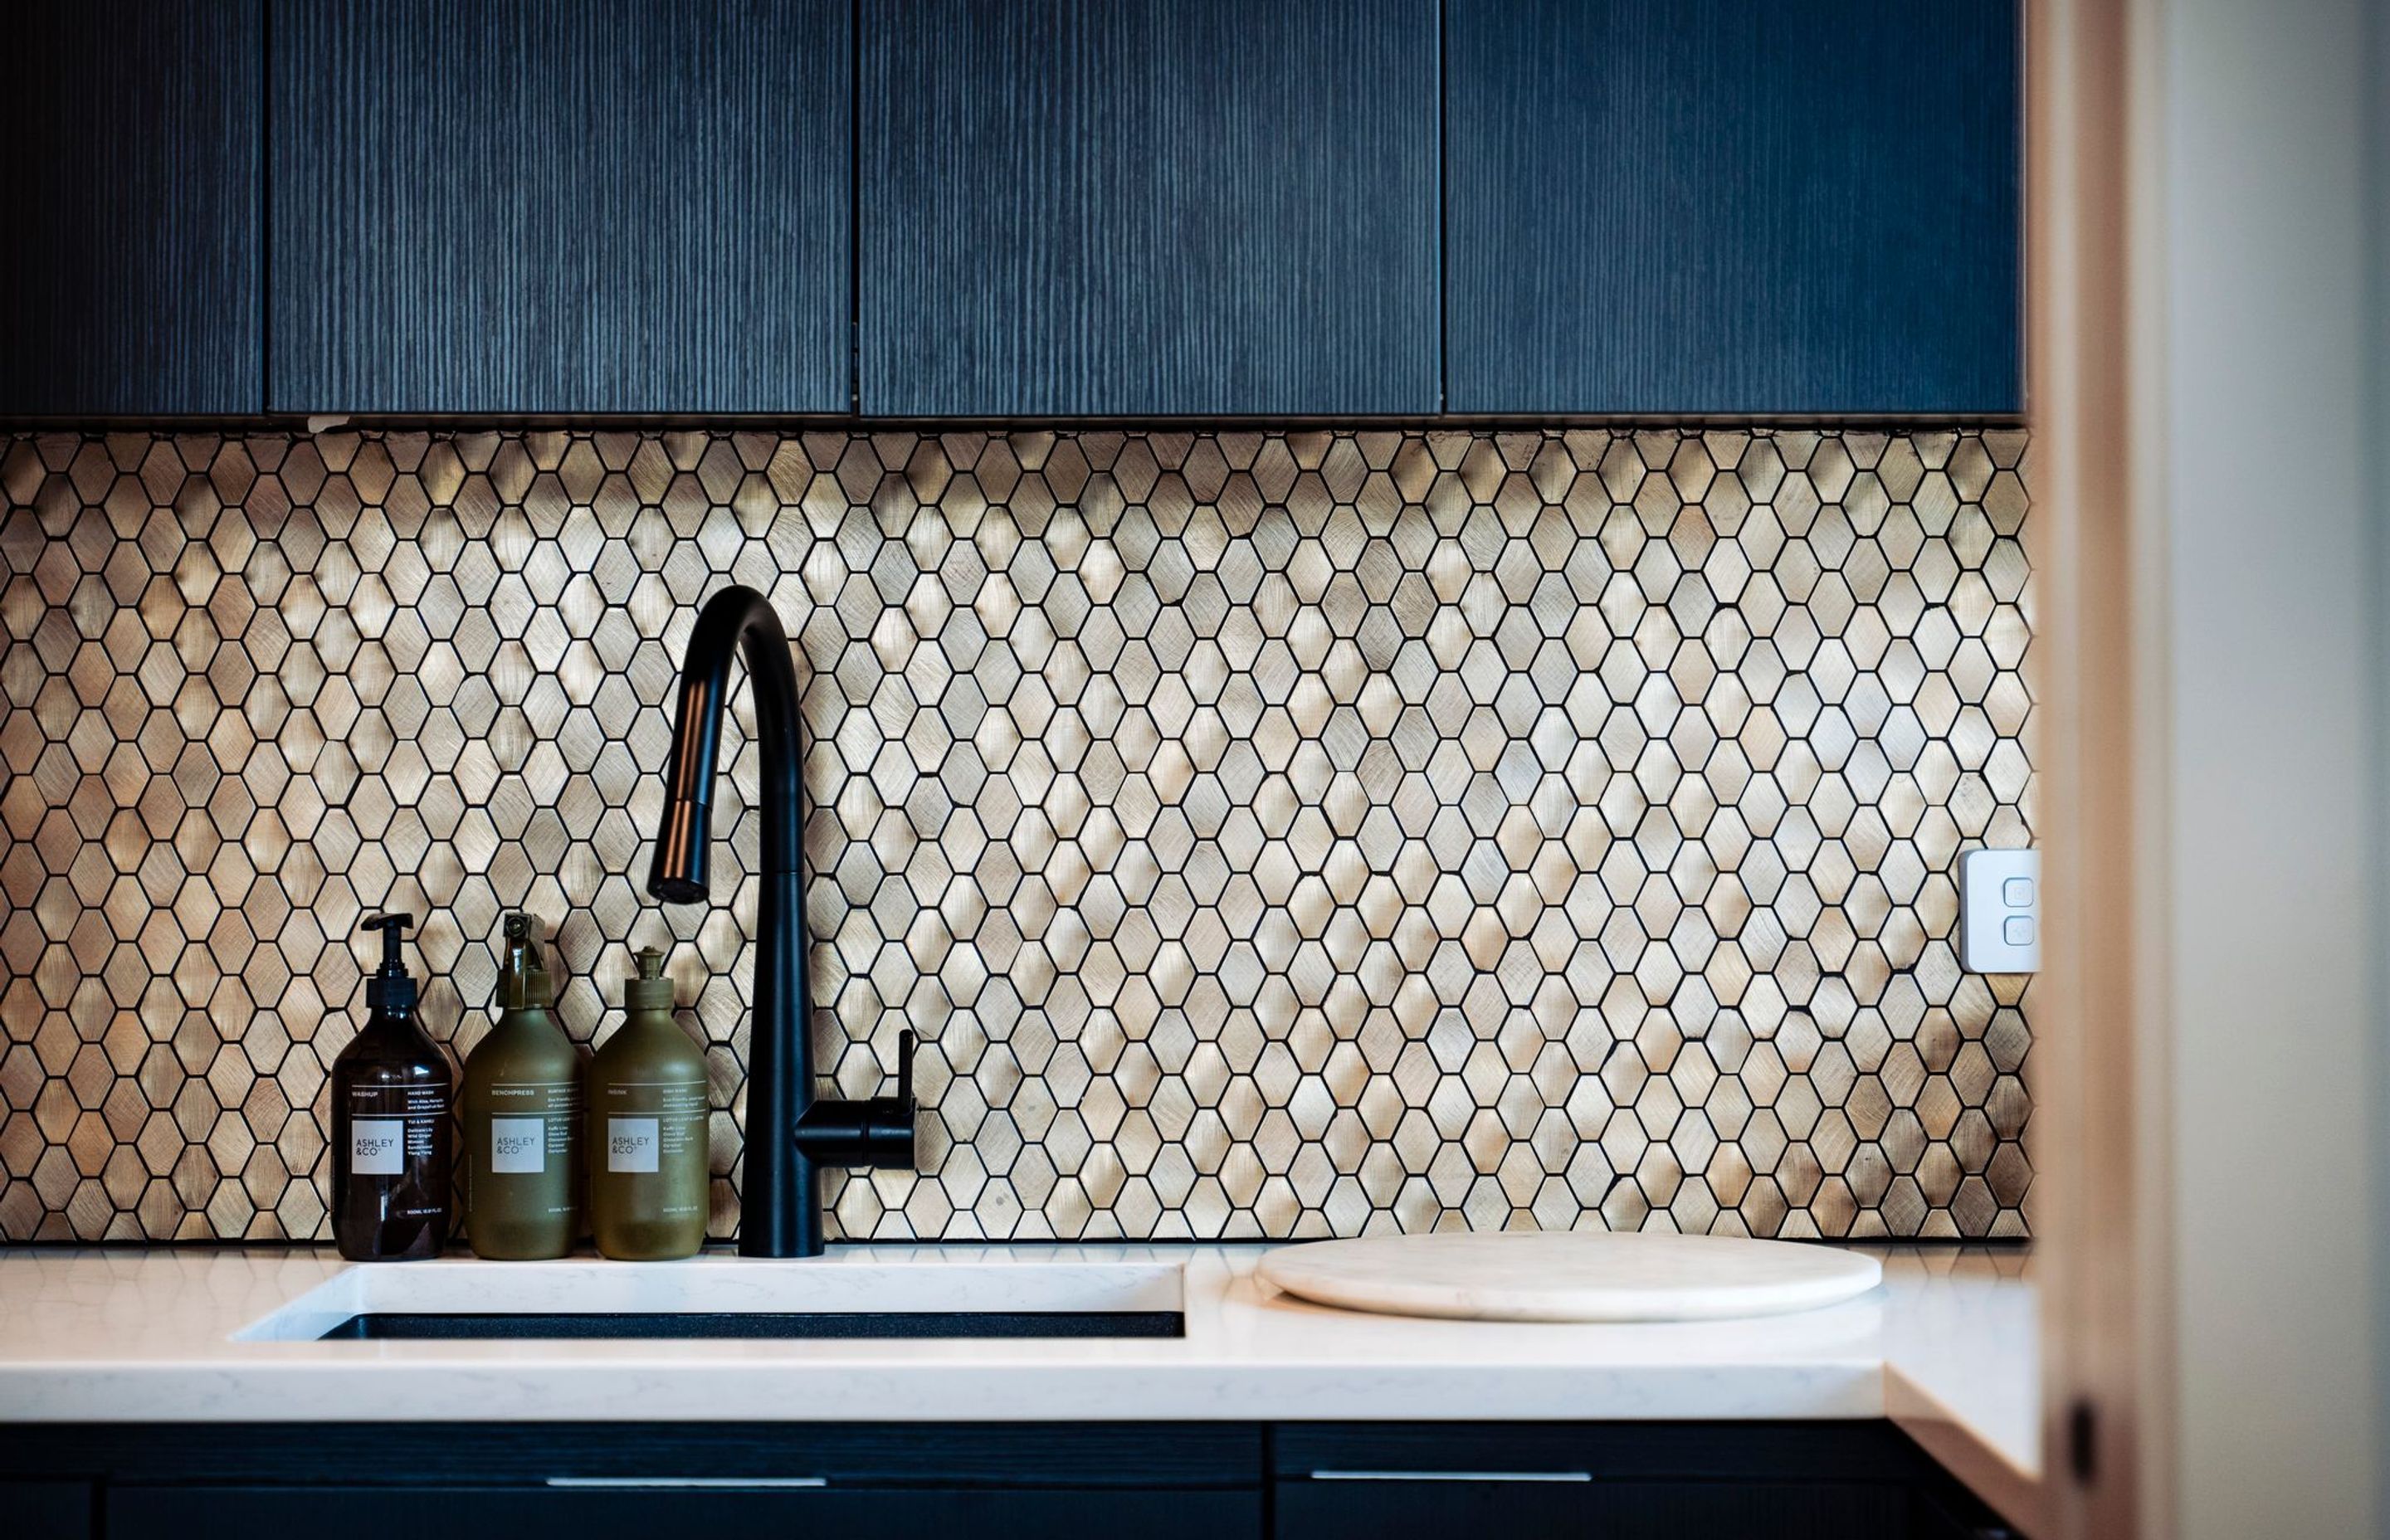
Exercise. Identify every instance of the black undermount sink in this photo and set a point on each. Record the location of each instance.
(387, 1326)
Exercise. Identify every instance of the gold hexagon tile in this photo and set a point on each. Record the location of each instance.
(1270, 834)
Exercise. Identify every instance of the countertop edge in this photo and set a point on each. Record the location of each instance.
(1978, 1464)
(430, 1391)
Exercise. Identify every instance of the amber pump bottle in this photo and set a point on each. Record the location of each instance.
(522, 1116)
(391, 1136)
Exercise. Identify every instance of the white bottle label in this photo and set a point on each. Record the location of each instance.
(519, 1145)
(631, 1143)
(378, 1147)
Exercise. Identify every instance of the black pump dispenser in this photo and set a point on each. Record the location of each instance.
(390, 990)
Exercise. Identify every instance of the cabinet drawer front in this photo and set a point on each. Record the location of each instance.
(1482, 1504)
(46, 1510)
(643, 1513)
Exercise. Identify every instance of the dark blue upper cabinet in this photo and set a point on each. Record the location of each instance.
(1729, 206)
(581, 206)
(130, 280)
(1074, 208)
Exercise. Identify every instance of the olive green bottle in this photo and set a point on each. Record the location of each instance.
(522, 1116)
(648, 1107)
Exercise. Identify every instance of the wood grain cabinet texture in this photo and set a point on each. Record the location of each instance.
(132, 279)
(1072, 208)
(560, 206)
(1711, 207)
(1042, 209)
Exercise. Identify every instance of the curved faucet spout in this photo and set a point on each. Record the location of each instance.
(735, 621)
(779, 1217)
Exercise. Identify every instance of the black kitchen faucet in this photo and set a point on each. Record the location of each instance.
(790, 1135)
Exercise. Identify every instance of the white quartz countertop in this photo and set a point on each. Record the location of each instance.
(1946, 1348)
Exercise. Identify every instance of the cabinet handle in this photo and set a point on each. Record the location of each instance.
(686, 1483)
(1452, 1475)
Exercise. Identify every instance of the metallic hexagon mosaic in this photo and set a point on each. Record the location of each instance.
(1269, 833)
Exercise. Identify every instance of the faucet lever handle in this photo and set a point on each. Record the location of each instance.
(906, 1046)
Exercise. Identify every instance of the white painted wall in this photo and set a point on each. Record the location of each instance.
(2277, 581)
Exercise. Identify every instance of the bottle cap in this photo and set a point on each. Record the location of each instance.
(389, 989)
(650, 990)
(522, 972)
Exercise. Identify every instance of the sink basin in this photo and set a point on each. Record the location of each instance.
(630, 1326)
(866, 1293)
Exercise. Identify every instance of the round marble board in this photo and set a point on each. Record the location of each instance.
(1550, 1275)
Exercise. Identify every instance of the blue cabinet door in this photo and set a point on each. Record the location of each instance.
(554, 206)
(1081, 208)
(130, 280)
(1589, 1511)
(47, 1510)
(1717, 207)
(641, 1513)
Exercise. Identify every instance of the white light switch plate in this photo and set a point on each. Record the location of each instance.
(2000, 911)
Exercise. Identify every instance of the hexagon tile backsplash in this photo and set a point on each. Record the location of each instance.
(1269, 833)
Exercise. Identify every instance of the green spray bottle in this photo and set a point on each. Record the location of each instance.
(522, 1116)
(648, 1112)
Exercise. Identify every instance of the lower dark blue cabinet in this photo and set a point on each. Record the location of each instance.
(46, 1510)
(1536, 1509)
(1618, 1480)
(1288, 1480)
(645, 1512)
